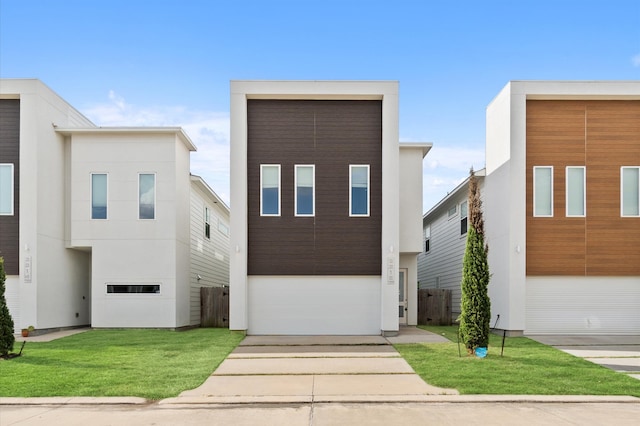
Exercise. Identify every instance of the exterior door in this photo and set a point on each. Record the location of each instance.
(402, 297)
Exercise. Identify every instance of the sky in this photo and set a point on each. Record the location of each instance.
(169, 62)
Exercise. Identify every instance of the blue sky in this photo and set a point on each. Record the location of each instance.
(169, 62)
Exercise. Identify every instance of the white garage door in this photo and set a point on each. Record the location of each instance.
(583, 305)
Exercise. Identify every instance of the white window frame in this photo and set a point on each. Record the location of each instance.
(466, 216)
(584, 191)
(12, 193)
(368, 213)
(207, 222)
(262, 167)
(535, 168)
(155, 197)
(313, 190)
(622, 191)
(91, 195)
(427, 238)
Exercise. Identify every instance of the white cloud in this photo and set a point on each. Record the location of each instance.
(208, 130)
(445, 167)
(636, 60)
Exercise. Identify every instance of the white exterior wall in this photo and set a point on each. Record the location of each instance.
(241, 309)
(124, 249)
(505, 213)
(308, 305)
(59, 277)
(209, 257)
(411, 156)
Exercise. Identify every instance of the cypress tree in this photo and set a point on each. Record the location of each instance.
(7, 338)
(475, 314)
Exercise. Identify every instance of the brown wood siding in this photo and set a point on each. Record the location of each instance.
(10, 153)
(332, 135)
(603, 136)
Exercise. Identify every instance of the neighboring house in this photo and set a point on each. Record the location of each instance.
(444, 229)
(327, 203)
(562, 211)
(99, 224)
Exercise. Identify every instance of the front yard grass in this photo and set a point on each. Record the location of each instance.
(152, 364)
(527, 368)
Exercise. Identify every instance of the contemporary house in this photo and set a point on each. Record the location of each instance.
(562, 212)
(101, 226)
(327, 209)
(444, 229)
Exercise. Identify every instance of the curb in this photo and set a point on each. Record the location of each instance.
(343, 399)
(75, 400)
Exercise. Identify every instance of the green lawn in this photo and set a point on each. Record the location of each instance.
(152, 364)
(527, 368)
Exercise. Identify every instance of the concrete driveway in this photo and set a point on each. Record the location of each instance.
(304, 369)
(619, 353)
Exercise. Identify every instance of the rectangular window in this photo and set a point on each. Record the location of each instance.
(207, 223)
(630, 191)
(223, 228)
(463, 218)
(270, 190)
(452, 211)
(98, 196)
(543, 191)
(359, 190)
(133, 288)
(6, 189)
(147, 196)
(427, 238)
(576, 194)
(305, 176)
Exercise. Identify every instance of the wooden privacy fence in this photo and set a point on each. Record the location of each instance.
(434, 306)
(214, 307)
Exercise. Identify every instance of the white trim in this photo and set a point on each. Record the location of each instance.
(313, 190)
(207, 221)
(155, 189)
(584, 191)
(351, 167)
(262, 166)
(534, 191)
(11, 211)
(622, 193)
(91, 196)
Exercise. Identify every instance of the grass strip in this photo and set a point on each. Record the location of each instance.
(152, 364)
(527, 368)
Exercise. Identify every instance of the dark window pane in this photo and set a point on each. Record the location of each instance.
(359, 203)
(270, 201)
(305, 200)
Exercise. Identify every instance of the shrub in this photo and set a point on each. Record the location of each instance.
(7, 338)
(475, 314)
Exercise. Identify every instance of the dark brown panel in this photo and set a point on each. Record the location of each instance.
(603, 136)
(332, 135)
(10, 153)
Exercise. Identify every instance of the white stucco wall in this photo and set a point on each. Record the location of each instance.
(59, 277)
(124, 249)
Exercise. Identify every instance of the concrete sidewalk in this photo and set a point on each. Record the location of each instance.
(618, 353)
(305, 369)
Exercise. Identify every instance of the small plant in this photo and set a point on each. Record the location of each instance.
(7, 339)
(26, 331)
